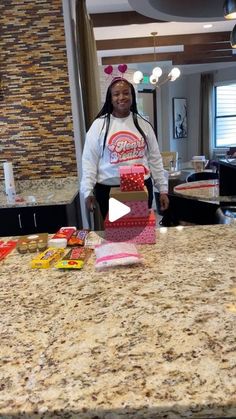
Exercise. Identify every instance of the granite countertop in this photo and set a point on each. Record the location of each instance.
(203, 190)
(152, 341)
(57, 191)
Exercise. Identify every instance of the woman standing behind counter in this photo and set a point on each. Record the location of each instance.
(120, 136)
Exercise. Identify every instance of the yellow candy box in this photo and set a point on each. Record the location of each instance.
(47, 258)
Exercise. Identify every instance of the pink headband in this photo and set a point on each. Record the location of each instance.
(116, 79)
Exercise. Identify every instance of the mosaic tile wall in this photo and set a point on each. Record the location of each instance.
(36, 131)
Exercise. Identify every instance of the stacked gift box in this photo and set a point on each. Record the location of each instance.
(138, 226)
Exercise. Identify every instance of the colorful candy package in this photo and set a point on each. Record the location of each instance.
(74, 259)
(78, 238)
(64, 232)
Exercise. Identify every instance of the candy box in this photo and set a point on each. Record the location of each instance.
(59, 243)
(48, 258)
(132, 178)
(137, 201)
(64, 233)
(6, 247)
(32, 243)
(60, 239)
(74, 259)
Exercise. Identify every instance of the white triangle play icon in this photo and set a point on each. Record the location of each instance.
(117, 209)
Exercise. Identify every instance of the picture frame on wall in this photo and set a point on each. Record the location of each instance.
(179, 117)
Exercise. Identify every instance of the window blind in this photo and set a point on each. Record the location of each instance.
(225, 116)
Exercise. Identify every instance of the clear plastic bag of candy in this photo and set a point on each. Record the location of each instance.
(110, 254)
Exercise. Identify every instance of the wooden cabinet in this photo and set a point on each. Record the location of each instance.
(39, 219)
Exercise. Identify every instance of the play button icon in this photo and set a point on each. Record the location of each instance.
(117, 210)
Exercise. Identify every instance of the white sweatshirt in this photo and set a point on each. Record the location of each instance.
(125, 146)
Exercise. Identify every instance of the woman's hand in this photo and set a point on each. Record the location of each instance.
(164, 201)
(90, 202)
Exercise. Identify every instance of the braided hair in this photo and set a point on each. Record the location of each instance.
(107, 110)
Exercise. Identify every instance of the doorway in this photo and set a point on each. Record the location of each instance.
(147, 106)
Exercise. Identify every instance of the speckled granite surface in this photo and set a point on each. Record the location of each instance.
(42, 192)
(199, 190)
(156, 341)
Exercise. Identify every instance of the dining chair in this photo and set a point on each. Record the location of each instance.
(231, 152)
(169, 159)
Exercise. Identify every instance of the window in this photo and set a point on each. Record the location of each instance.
(225, 115)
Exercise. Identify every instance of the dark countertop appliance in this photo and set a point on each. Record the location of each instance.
(227, 177)
(226, 214)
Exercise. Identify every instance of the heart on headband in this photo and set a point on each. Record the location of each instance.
(108, 69)
(122, 68)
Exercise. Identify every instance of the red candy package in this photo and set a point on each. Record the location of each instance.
(6, 248)
(78, 238)
(64, 233)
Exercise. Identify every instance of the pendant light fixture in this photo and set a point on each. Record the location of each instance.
(157, 71)
(230, 9)
(233, 37)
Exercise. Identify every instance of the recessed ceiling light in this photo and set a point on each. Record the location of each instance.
(209, 25)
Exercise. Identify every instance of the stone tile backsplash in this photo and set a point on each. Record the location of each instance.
(35, 106)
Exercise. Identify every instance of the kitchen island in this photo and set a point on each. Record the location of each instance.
(151, 341)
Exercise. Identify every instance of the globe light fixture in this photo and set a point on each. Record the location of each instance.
(137, 77)
(157, 71)
(174, 74)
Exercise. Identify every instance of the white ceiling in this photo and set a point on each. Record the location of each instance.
(142, 30)
(103, 6)
(129, 31)
(180, 10)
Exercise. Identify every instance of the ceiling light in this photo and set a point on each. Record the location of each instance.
(174, 74)
(230, 9)
(208, 25)
(233, 37)
(157, 71)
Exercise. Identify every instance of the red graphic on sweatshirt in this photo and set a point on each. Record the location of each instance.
(125, 145)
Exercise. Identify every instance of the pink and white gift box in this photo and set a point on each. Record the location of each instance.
(132, 178)
(137, 201)
(141, 230)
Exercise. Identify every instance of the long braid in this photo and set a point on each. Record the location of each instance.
(108, 118)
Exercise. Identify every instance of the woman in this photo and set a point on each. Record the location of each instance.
(120, 136)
